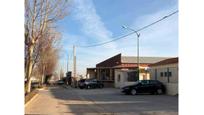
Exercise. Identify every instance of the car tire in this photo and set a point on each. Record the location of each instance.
(100, 86)
(81, 87)
(88, 87)
(159, 91)
(133, 92)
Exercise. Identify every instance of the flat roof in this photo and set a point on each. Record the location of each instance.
(165, 62)
(147, 60)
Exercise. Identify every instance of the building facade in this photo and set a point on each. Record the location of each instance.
(106, 70)
(125, 77)
(166, 71)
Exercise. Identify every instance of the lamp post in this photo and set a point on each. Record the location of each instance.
(138, 35)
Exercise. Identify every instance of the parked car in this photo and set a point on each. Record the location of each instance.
(60, 82)
(145, 86)
(35, 85)
(81, 83)
(90, 83)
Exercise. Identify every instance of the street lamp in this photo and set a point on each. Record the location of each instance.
(138, 35)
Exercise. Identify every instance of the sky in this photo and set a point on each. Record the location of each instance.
(94, 21)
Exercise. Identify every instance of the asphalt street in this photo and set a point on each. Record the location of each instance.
(106, 101)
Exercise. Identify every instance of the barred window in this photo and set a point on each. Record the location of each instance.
(170, 74)
(118, 77)
(133, 76)
(165, 74)
(161, 74)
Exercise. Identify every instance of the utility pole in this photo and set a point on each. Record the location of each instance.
(138, 35)
(74, 66)
(74, 62)
(138, 56)
(68, 63)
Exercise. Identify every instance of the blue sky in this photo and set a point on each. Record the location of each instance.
(95, 21)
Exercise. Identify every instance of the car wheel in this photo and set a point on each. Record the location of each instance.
(88, 87)
(159, 91)
(100, 86)
(133, 92)
(81, 87)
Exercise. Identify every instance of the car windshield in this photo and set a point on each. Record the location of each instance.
(82, 80)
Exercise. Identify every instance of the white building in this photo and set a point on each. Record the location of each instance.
(166, 71)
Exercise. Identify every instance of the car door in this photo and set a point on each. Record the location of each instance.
(145, 88)
(152, 86)
(94, 83)
(139, 87)
(142, 86)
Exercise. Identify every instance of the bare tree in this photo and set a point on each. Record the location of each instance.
(61, 73)
(40, 16)
(48, 57)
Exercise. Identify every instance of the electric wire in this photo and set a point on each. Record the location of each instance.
(123, 36)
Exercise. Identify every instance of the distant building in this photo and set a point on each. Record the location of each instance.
(108, 70)
(166, 71)
(91, 73)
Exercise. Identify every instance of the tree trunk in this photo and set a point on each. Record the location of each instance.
(29, 68)
(43, 75)
(28, 85)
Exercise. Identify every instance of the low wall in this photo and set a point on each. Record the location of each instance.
(108, 83)
(122, 84)
(171, 88)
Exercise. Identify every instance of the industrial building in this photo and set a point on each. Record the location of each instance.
(108, 70)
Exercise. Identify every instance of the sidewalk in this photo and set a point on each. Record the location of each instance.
(44, 103)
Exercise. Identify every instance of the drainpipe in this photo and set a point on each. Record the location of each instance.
(168, 80)
(155, 74)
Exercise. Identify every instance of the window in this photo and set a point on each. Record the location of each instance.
(153, 82)
(145, 82)
(118, 77)
(170, 74)
(165, 74)
(94, 80)
(132, 76)
(161, 74)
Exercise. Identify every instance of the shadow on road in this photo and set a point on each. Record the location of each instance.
(83, 101)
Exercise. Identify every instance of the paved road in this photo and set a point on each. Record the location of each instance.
(107, 101)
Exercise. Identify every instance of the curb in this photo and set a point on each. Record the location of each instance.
(43, 88)
(27, 103)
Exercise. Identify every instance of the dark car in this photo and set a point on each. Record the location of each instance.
(90, 83)
(145, 86)
(60, 82)
(35, 85)
(81, 83)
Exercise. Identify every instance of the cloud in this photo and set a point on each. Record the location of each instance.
(93, 32)
(160, 39)
(92, 25)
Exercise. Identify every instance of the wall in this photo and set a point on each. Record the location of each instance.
(123, 78)
(173, 68)
(171, 83)
(91, 73)
(144, 76)
(172, 88)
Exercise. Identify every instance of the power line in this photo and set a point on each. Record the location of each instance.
(123, 36)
